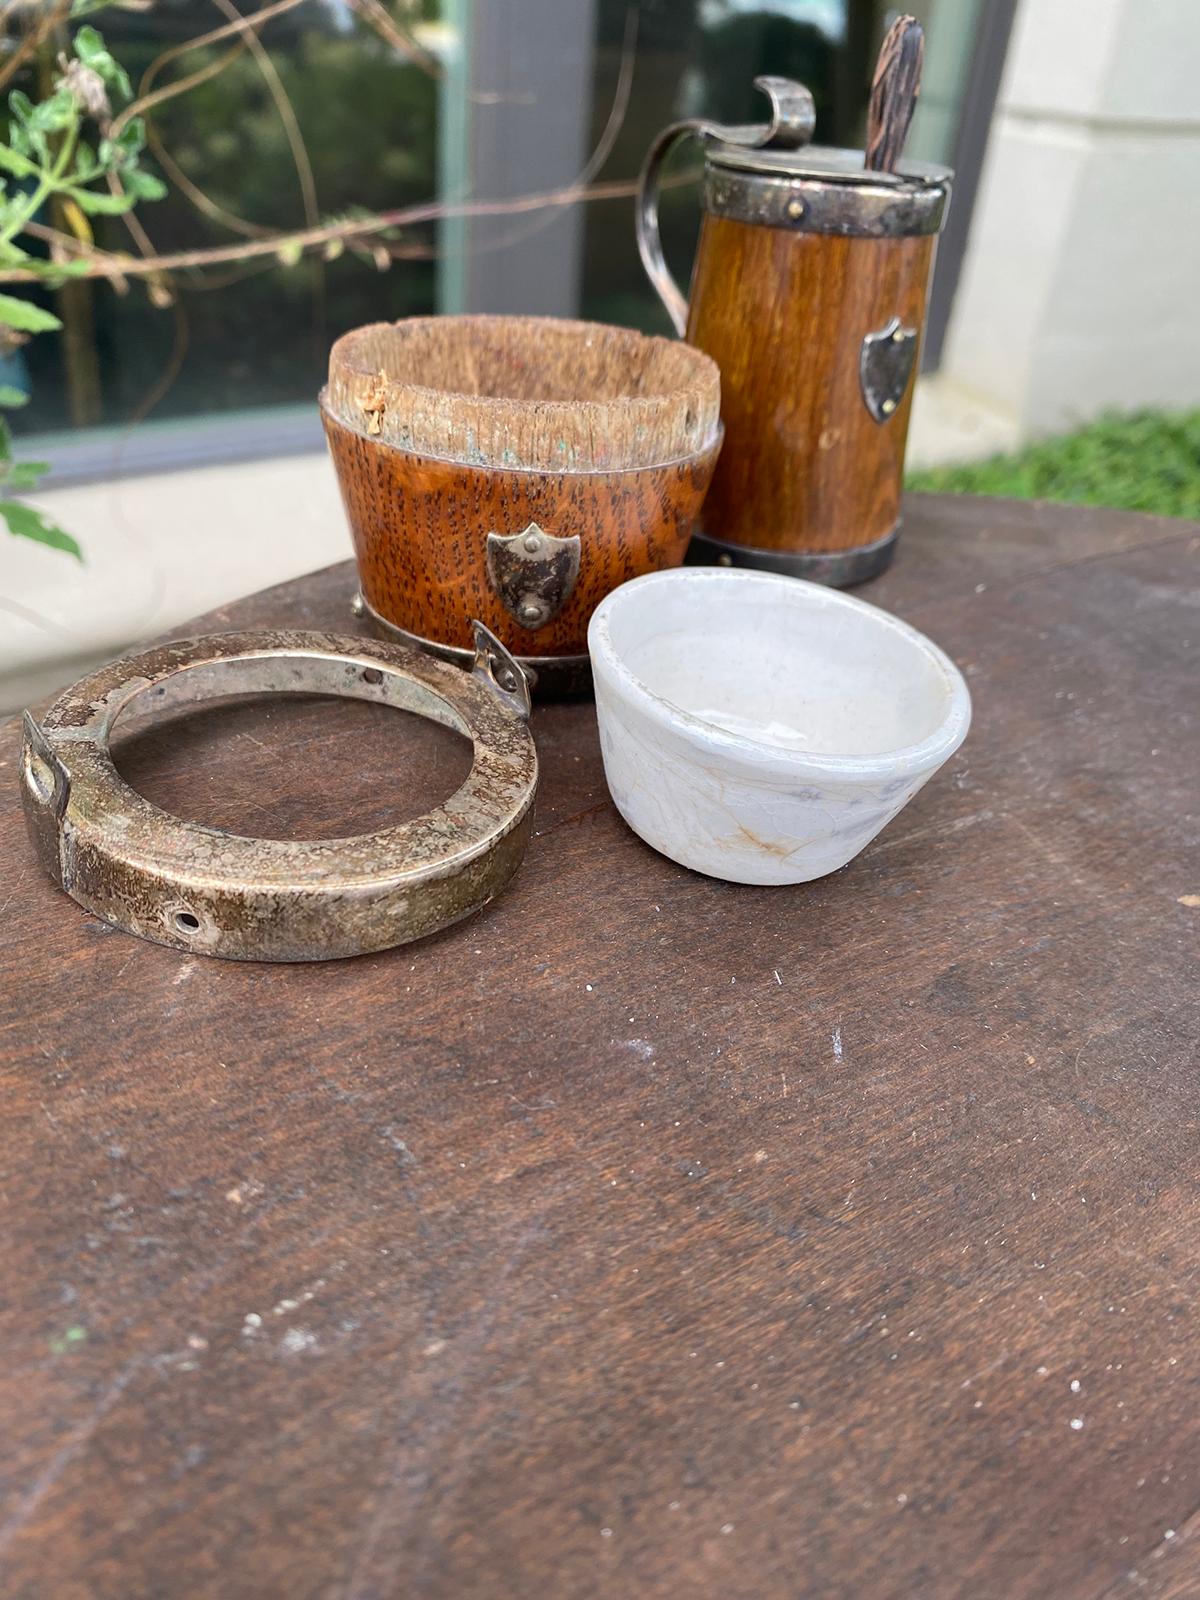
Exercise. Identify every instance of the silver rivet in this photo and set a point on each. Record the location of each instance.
(532, 542)
(795, 209)
(898, 336)
(888, 407)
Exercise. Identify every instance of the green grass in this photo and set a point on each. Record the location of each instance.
(1146, 461)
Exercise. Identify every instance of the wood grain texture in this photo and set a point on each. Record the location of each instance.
(895, 89)
(784, 315)
(544, 393)
(420, 528)
(643, 1236)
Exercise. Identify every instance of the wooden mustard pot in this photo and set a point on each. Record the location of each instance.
(513, 470)
(809, 291)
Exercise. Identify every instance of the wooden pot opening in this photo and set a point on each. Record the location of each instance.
(527, 393)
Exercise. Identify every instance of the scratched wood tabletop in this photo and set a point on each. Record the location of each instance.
(644, 1236)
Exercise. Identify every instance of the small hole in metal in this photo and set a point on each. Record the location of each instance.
(372, 675)
(187, 921)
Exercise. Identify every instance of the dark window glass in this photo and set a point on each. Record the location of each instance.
(496, 98)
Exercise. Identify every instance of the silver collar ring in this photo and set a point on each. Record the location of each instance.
(215, 893)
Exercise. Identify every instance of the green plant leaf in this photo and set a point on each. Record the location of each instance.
(23, 136)
(87, 166)
(12, 398)
(23, 143)
(5, 443)
(20, 166)
(88, 45)
(97, 203)
(56, 273)
(91, 50)
(26, 523)
(25, 317)
(133, 135)
(25, 475)
(55, 113)
(126, 146)
(119, 79)
(143, 185)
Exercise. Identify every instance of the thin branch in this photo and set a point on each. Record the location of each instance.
(47, 624)
(192, 191)
(136, 232)
(104, 264)
(174, 366)
(287, 115)
(136, 108)
(32, 40)
(225, 280)
(376, 16)
(241, 28)
(608, 137)
(66, 245)
(117, 266)
(620, 105)
(245, 28)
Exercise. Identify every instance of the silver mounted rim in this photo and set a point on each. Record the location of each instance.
(815, 205)
(837, 568)
(550, 677)
(210, 892)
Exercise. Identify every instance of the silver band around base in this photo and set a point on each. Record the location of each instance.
(550, 677)
(838, 568)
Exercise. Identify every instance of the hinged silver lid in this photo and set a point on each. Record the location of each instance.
(825, 163)
(771, 176)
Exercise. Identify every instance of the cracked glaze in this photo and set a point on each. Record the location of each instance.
(834, 715)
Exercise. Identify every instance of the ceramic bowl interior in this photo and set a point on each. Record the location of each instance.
(785, 665)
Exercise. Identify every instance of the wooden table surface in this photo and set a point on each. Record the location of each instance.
(644, 1236)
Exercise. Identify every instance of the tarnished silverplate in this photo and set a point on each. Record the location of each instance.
(215, 893)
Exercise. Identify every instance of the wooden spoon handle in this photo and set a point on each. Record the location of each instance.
(894, 91)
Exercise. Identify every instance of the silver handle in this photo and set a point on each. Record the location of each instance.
(793, 119)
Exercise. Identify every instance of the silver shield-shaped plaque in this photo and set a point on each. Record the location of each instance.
(885, 365)
(533, 573)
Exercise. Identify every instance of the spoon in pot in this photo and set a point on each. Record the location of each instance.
(894, 91)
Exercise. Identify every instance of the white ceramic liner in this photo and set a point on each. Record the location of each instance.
(762, 729)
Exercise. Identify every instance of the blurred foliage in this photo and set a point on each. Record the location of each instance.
(259, 334)
(46, 159)
(1144, 461)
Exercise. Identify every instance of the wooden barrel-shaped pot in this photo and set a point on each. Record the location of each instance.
(809, 292)
(514, 470)
(815, 465)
